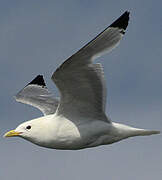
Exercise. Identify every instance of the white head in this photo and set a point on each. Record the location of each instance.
(33, 130)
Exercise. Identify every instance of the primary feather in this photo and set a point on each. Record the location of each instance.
(36, 94)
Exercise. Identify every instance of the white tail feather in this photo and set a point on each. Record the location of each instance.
(143, 132)
(127, 131)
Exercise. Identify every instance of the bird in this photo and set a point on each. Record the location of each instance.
(77, 119)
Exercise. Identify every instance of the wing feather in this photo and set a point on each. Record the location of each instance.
(36, 94)
(80, 82)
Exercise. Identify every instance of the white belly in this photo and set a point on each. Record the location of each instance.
(72, 136)
(67, 135)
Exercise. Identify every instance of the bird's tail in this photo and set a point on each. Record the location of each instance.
(143, 132)
(128, 131)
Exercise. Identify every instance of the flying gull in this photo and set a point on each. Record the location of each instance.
(77, 119)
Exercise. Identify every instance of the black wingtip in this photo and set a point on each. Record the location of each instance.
(38, 81)
(122, 21)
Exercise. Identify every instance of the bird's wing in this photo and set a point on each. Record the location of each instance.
(36, 94)
(80, 82)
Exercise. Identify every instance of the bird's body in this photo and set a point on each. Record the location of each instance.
(61, 133)
(77, 119)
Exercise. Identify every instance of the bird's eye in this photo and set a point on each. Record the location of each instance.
(28, 127)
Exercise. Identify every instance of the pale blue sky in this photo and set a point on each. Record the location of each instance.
(35, 37)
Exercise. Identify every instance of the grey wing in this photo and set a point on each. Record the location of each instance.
(36, 94)
(80, 82)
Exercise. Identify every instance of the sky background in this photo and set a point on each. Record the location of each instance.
(37, 36)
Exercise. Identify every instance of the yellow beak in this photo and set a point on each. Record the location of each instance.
(12, 133)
